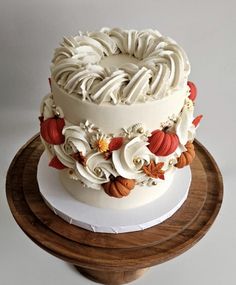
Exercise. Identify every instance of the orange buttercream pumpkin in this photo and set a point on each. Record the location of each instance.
(187, 156)
(51, 130)
(119, 187)
(163, 143)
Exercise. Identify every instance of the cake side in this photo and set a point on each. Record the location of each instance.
(111, 118)
(139, 196)
(96, 157)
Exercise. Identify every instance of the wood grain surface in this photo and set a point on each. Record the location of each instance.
(113, 258)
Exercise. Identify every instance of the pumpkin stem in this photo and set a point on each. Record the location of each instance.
(165, 129)
(41, 118)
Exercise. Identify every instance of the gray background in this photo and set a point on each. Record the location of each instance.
(30, 30)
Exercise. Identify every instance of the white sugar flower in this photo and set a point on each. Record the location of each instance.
(100, 142)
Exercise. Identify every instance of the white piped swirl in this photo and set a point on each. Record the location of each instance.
(162, 66)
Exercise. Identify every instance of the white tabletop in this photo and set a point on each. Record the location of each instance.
(29, 30)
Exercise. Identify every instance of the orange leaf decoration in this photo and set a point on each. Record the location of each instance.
(119, 187)
(55, 162)
(197, 120)
(115, 143)
(154, 170)
(78, 156)
(163, 143)
(187, 156)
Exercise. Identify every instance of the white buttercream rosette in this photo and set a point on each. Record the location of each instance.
(161, 66)
(96, 171)
(130, 158)
(76, 140)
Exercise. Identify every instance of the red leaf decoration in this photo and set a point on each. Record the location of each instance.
(115, 143)
(193, 91)
(197, 120)
(78, 156)
(51, 130)
(55, 162)
(162, 143)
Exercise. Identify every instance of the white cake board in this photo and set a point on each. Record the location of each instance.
(110, 220)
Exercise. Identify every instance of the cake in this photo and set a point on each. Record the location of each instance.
(118, 122)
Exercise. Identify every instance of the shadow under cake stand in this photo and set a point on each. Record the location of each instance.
(113, 258)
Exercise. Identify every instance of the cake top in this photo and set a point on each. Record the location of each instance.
(120, 66)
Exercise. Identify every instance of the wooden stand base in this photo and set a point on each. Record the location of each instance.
(113, 258)
(112, 277)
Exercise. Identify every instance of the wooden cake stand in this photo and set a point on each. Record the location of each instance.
(113, 258)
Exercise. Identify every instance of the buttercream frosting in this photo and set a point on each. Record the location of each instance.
(160, 66)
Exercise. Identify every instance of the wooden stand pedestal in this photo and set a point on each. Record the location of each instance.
(113, 258)
(112, 277)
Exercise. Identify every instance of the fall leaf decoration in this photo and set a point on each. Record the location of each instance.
(78, 156)
(193, 91)
(51, 130)
(163, 143)
(154, 170)
(115, 143)
(187, 156)
(119, 186)
(197, 120)
(107, 155)
(55, 162)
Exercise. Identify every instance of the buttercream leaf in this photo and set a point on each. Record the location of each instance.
(55, 162)
(197, 120)
(115, 143)
(78, 156)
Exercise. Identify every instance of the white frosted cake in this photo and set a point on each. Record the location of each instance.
(119, 121)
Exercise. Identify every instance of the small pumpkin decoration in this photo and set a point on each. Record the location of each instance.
(193, 91)
(119, 186)
(187, 156)
(51, 130)
(163, 143)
